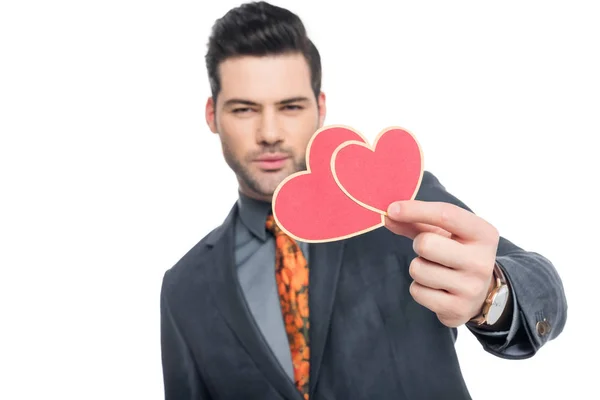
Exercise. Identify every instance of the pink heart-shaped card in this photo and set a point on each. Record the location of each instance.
(309, 205)
(376, 176)
(348, 185)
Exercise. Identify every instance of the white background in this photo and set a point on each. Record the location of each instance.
(109, 173)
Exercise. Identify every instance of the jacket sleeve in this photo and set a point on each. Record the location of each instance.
(539, 301)
(180, 375)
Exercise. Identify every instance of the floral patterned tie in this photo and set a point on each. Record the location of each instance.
(291, 272)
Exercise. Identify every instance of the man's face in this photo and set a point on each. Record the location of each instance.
(265, 115)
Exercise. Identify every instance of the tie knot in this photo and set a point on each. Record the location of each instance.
(272, 226)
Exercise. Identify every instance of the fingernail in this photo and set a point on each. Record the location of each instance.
(394, 210)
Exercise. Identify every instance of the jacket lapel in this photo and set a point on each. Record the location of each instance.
(231, 302)
(325, 260)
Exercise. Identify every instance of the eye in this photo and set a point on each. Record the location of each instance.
(292, 107)
(241, 110)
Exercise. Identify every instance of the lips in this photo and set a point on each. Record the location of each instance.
(272, 162)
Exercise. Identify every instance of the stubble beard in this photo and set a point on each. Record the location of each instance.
(261, 183)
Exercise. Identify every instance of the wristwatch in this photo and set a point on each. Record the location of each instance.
(496, 301)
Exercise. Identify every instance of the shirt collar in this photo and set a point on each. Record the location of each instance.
(253, 214)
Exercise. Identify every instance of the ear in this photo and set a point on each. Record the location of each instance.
(322, 109)
(210, 115)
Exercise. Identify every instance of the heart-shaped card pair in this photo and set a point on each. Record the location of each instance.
(348, 184)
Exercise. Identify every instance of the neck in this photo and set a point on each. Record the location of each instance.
(255, 196)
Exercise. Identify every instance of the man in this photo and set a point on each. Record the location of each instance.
(371, 317)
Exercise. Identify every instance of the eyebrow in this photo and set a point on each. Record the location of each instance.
(252, 103)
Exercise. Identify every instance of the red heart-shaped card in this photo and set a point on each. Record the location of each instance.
(375, 177)
(310, 206)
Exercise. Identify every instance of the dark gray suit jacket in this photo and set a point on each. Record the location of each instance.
(369, 338)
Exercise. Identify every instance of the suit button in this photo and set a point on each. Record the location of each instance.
(542, 327)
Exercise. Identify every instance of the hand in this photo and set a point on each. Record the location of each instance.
(456, 253)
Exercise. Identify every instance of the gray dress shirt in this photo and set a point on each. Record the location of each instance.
(255, 260)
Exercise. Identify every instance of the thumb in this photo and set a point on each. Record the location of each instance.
(411, 230)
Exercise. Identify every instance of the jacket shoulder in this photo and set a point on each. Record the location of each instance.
(194, 258)
(189, 261)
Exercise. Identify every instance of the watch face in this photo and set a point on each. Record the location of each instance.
(498, 305)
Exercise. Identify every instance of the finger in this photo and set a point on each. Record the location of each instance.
(411, 230)
(443, 250)
(447, 216)
(438, 301)
(436, 276)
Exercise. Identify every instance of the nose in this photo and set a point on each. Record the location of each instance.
(269, 131)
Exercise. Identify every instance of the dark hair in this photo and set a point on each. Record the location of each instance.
(259, 29)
